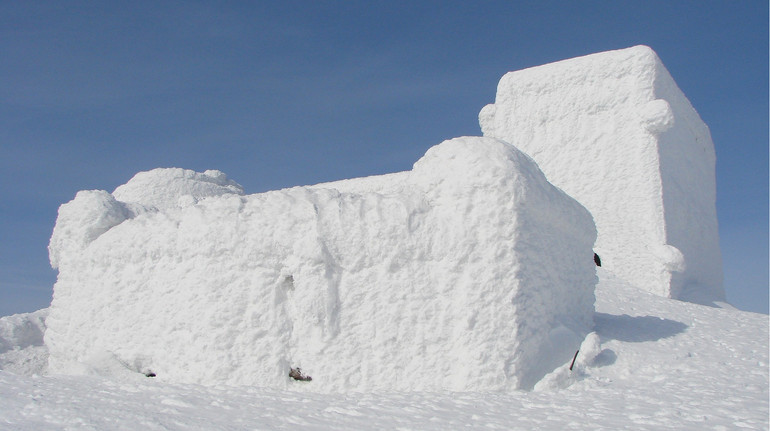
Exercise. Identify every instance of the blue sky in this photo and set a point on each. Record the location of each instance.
(286, 93)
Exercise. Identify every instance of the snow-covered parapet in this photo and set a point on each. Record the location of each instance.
(469, 272)
(614, 131)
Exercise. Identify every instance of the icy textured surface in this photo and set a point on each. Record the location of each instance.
(615, 132)
(470, 272)
(651, 364)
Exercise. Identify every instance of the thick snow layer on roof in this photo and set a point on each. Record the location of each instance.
(615, 132)
(476, 274)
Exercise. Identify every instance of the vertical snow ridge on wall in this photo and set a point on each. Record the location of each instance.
(470, 272)
(614, 131)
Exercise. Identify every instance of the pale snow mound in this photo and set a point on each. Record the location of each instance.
(21, 343)
(615, 132)
(470, 272)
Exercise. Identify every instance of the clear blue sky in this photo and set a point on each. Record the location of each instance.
(286, 93)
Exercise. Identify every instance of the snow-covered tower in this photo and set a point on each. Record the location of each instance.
(614, 131)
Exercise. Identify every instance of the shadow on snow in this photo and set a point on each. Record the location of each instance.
(635, 329)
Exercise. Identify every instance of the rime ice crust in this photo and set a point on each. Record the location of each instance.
(615, 132)
(470, 272)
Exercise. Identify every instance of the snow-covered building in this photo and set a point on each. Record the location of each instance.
(469, 272)
(615, 132)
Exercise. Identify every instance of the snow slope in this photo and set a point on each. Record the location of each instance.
(615, 132)
(471, 266)
(660, 364)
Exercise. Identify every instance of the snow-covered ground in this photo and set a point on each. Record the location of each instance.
(660, 364)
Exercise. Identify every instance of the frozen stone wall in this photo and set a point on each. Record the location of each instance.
(615, 132)
(470, 272)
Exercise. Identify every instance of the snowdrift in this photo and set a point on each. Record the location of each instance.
(469, 272)
(615, 132)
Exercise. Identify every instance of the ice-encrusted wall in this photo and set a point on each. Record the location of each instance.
(469, 272)
(615, 132)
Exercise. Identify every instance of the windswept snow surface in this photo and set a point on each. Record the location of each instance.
(615, 132)
(652, 364)
(470, 272)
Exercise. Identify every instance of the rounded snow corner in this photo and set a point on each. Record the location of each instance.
(466, 160)
(642, 49)
(644, 52)
(82, 220)
(487, 119)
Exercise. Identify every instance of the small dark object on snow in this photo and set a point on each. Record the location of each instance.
(573, 361)
(597, 260)
(296, 374)
(149, 374)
